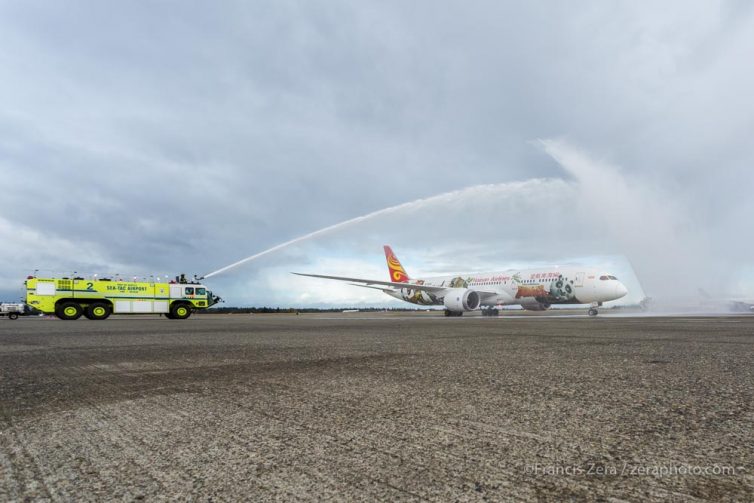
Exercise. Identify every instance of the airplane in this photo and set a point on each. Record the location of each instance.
(532, 289)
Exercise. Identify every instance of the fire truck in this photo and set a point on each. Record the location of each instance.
(97, 299)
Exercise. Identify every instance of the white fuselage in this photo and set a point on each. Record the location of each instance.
(530, 288)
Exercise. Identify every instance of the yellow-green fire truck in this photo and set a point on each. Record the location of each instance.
(69, 298)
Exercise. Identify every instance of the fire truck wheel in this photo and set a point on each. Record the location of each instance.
(180, 311)
(69, 311)
(13, 316)
(98, 311)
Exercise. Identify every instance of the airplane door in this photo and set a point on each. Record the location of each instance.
(578, 280)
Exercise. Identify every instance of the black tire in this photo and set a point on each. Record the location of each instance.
(69, 310)
(98, 311)
(592, 312)
(180, 311)
(13, 316)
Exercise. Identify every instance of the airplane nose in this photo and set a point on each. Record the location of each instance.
(620, 290)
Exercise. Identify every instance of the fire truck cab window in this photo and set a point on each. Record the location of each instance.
(189, 290)
(201, 291)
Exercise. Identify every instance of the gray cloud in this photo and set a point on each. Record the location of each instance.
(154, 137)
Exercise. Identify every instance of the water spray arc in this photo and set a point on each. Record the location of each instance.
(391, 209)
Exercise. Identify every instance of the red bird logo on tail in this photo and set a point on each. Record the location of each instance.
(397, 272)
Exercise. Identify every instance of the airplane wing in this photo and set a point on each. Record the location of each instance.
(410, 286)
(380, 288)
(366, 282)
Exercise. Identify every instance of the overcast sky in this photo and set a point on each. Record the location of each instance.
(164, 137)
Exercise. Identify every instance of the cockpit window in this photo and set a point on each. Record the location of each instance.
(604, 278)
(612, 277)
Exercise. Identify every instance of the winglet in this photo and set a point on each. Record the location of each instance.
(397, 272)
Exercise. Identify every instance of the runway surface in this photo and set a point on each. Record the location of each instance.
(377, 407)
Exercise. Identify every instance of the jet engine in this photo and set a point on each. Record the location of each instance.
(533, 305)
(461, 299)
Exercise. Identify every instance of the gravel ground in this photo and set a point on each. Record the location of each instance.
(377, 407)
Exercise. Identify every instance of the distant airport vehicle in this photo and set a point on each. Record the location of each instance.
(729, 302)
(12, 311)
(741, 305)
(96, 299)
(532, 289)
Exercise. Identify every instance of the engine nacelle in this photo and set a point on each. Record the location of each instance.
(533, 305)
(461, 299)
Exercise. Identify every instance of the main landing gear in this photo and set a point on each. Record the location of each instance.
(448, 312)
(490, 312)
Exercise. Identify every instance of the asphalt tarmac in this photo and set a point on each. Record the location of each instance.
(377, 407)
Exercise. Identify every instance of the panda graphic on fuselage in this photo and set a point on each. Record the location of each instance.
(458, 282)
(561, 289)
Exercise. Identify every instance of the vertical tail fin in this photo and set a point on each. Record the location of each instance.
(397, 272)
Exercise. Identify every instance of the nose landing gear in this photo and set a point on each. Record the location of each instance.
(593, 309)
